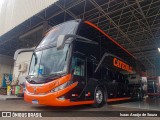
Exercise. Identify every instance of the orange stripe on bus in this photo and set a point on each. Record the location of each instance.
(96, 27)
(118, 99)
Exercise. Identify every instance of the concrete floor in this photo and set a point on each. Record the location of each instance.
(10, 97)
(20, 105)
(147, 105)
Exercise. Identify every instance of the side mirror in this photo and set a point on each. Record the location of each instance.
(62, 39)
(22, 50)
(60, 42)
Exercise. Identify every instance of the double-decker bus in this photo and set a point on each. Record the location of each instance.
(77, 63)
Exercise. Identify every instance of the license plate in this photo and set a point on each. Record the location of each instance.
(34, 101)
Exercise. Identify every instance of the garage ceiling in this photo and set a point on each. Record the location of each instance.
(135, 24)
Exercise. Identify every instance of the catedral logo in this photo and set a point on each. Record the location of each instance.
(120, 64)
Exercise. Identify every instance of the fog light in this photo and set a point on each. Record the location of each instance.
(61, 98)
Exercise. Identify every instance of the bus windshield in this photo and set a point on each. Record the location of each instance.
(62, 29)
(49, 62)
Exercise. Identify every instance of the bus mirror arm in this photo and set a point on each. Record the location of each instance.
(63, 38)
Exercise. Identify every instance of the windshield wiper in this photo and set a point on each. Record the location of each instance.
(28, 78)
(32, 81)
(51, 75)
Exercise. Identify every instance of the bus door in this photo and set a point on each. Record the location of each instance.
(79, 74)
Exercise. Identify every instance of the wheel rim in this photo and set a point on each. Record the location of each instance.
(99, 96)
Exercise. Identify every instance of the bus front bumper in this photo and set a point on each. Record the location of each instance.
(52, 99)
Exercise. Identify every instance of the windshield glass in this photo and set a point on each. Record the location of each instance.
(62, 29)
(49, 61)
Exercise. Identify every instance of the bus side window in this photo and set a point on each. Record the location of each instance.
(79, 66)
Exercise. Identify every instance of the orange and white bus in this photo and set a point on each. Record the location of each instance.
(77, 63)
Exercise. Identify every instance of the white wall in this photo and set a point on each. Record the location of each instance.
(6, 64)
(14, 12)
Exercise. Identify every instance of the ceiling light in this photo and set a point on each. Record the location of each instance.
(159, 49)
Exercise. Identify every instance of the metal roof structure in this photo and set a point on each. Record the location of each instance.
(135, 24)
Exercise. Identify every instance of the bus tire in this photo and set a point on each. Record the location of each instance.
(99, 98)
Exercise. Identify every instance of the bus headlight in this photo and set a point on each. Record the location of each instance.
(64, 85)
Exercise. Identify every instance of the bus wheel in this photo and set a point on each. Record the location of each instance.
(99, 98)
